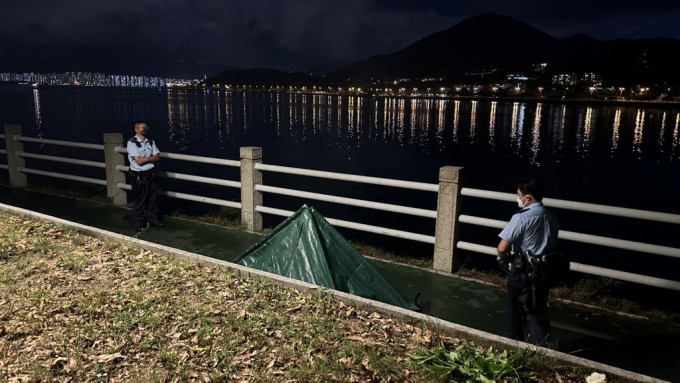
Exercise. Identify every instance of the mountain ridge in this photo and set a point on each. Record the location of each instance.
(493, 43)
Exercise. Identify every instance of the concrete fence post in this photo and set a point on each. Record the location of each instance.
(448, 208)
(250, 198)
(114, 176)
(15, 162)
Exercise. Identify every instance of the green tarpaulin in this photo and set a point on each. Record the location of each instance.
(308, 248)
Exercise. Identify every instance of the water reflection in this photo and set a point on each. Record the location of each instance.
(473, 121)
(178, 115)
(339, 118)
(441, 122)
(637, 133)
(558, 129)
(492, 122)
(615, 130)
(38, 113)
(303, 111)
(429, 124)
(662, 131)
(456, 119)
(220, 119)
(676, 135)
(412, 122)
(536, 135)
(584, 132)
(517, 126)
(278, 114)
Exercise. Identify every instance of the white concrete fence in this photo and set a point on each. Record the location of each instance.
(447, 219)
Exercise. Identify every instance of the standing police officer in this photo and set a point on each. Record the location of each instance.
(143, 155)
(530, 234)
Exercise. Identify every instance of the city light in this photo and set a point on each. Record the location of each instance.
(572, 85)
(95, 79)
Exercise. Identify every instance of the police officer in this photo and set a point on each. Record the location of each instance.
(143, 156)
(532, 231)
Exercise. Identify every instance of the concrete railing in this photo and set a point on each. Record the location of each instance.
(447, 217)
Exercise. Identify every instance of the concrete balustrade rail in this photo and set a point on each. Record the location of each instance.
(447, 218)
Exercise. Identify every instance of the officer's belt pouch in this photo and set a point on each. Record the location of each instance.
(518, 261)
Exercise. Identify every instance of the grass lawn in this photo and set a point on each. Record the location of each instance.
(74, 308)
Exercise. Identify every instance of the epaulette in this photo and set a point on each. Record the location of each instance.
(136, 141)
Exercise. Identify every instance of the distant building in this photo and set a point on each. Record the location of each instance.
(594, 79)
(565, 79)
(517, 77)
(94, 79)
(588, 78)
(432, 79)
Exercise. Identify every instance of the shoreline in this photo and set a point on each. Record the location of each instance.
(625, 103)
(531, 99)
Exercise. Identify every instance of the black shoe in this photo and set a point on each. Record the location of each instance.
(156, 223)
(140, 229)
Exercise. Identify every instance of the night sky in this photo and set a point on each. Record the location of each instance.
(189, 38)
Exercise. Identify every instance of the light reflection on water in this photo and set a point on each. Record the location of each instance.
(615, 131)
(431, 124)
(559, 121)
(456, 120)
(473, 121)
(38, 112)
(517, 126)
(676, 136)
(584, 132)
(639, 126)
(441, 108)
(536, 134)
(196, 118)
(492, 122)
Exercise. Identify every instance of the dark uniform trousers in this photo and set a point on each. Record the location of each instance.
(144, 191)
(528, 302)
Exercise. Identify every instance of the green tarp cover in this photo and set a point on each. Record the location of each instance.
(308, 248)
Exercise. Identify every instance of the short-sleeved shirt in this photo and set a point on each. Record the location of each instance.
(533, 228)
(146, 148)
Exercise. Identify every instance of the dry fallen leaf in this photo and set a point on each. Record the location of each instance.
(106, 358)
(366, 365)
(346, 362)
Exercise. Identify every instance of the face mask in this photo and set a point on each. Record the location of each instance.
(145, 132)
(519, 202)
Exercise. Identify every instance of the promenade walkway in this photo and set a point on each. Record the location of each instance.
(638, 345)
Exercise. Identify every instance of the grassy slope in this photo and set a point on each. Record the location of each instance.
(76, 308)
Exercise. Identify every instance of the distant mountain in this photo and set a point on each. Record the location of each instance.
(264, 77)
(492, 41)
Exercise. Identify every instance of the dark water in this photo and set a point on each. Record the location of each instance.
(613, 155)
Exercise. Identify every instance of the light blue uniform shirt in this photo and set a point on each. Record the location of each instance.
(146, 149)
(533, 228)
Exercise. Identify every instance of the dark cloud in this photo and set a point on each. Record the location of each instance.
(189, 38)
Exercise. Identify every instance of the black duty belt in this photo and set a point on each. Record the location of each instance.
(141, 172)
